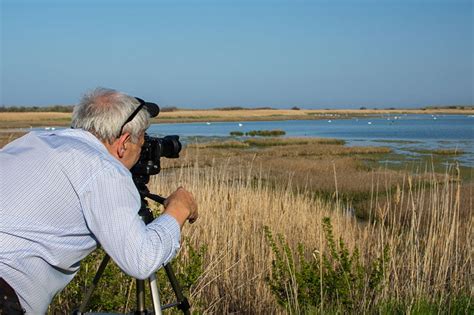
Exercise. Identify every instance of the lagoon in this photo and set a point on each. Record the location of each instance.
(405, 134)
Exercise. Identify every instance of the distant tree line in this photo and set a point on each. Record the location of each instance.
(54, 108)
(57, 109)
(241, 108)
(449, 107)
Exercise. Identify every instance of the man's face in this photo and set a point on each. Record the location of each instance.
(132, 154)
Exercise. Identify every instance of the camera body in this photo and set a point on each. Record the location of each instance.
(152, 150)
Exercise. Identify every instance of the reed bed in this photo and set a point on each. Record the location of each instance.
(428, 237)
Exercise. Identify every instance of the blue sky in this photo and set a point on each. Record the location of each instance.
(206, 54)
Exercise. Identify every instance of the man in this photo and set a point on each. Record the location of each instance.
(63, 193)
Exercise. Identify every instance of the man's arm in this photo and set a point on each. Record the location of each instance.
(110, 204)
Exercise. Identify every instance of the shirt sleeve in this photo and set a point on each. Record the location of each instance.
(110, 205)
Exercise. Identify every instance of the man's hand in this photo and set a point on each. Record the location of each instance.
(182, 206)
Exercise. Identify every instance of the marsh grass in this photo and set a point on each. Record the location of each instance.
(221, 145)
(307, 162)
(441, 151)
(423, 225)
(292, 141)
(266, 133)
(33, 119)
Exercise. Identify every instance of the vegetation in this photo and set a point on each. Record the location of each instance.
(412, 253)
(310, 225)
(117, 292)
(237, 133)
(222, 145)
(462, 107)
(230, 108)
(54, 109)
(304, 283)
(236, 108)
(265, 133)
(261, 133)
(169, 109)
(293, 141)
(441, 151)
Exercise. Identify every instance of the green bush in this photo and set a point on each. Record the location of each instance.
(337, 280)
(237, 133)
(265, 133)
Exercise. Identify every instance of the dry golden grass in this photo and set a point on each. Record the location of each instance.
(11, 120)
(308, 162)
(429, 239)
(32, 116)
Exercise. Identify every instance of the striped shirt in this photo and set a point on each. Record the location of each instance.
(61, 194)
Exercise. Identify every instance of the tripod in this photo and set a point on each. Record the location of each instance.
(181, 301)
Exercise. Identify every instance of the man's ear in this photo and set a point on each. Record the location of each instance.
(121, 144)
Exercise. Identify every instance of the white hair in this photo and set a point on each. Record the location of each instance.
(103, 111)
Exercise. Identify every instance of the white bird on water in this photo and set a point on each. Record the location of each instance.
(208, 123)
(369, 123)
(240, 125)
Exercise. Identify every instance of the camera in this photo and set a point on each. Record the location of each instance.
(152, 150)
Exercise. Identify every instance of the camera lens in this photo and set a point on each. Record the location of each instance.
(170, 146)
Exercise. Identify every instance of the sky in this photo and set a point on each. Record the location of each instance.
(208, 54)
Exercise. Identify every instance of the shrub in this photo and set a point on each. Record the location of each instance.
(336, 279)
(265, 133)
(236, 133)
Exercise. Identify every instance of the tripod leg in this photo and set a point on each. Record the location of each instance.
(155, 295)
(95, 281)
(141, 309)
(183, 303)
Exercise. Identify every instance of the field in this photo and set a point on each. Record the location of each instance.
(331, 237)
(309, 226)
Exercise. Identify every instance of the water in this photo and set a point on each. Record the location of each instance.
(402, 133)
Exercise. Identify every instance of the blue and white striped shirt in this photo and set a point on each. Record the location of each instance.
(61, 194)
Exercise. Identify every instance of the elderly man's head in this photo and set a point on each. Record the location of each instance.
(104, 111)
